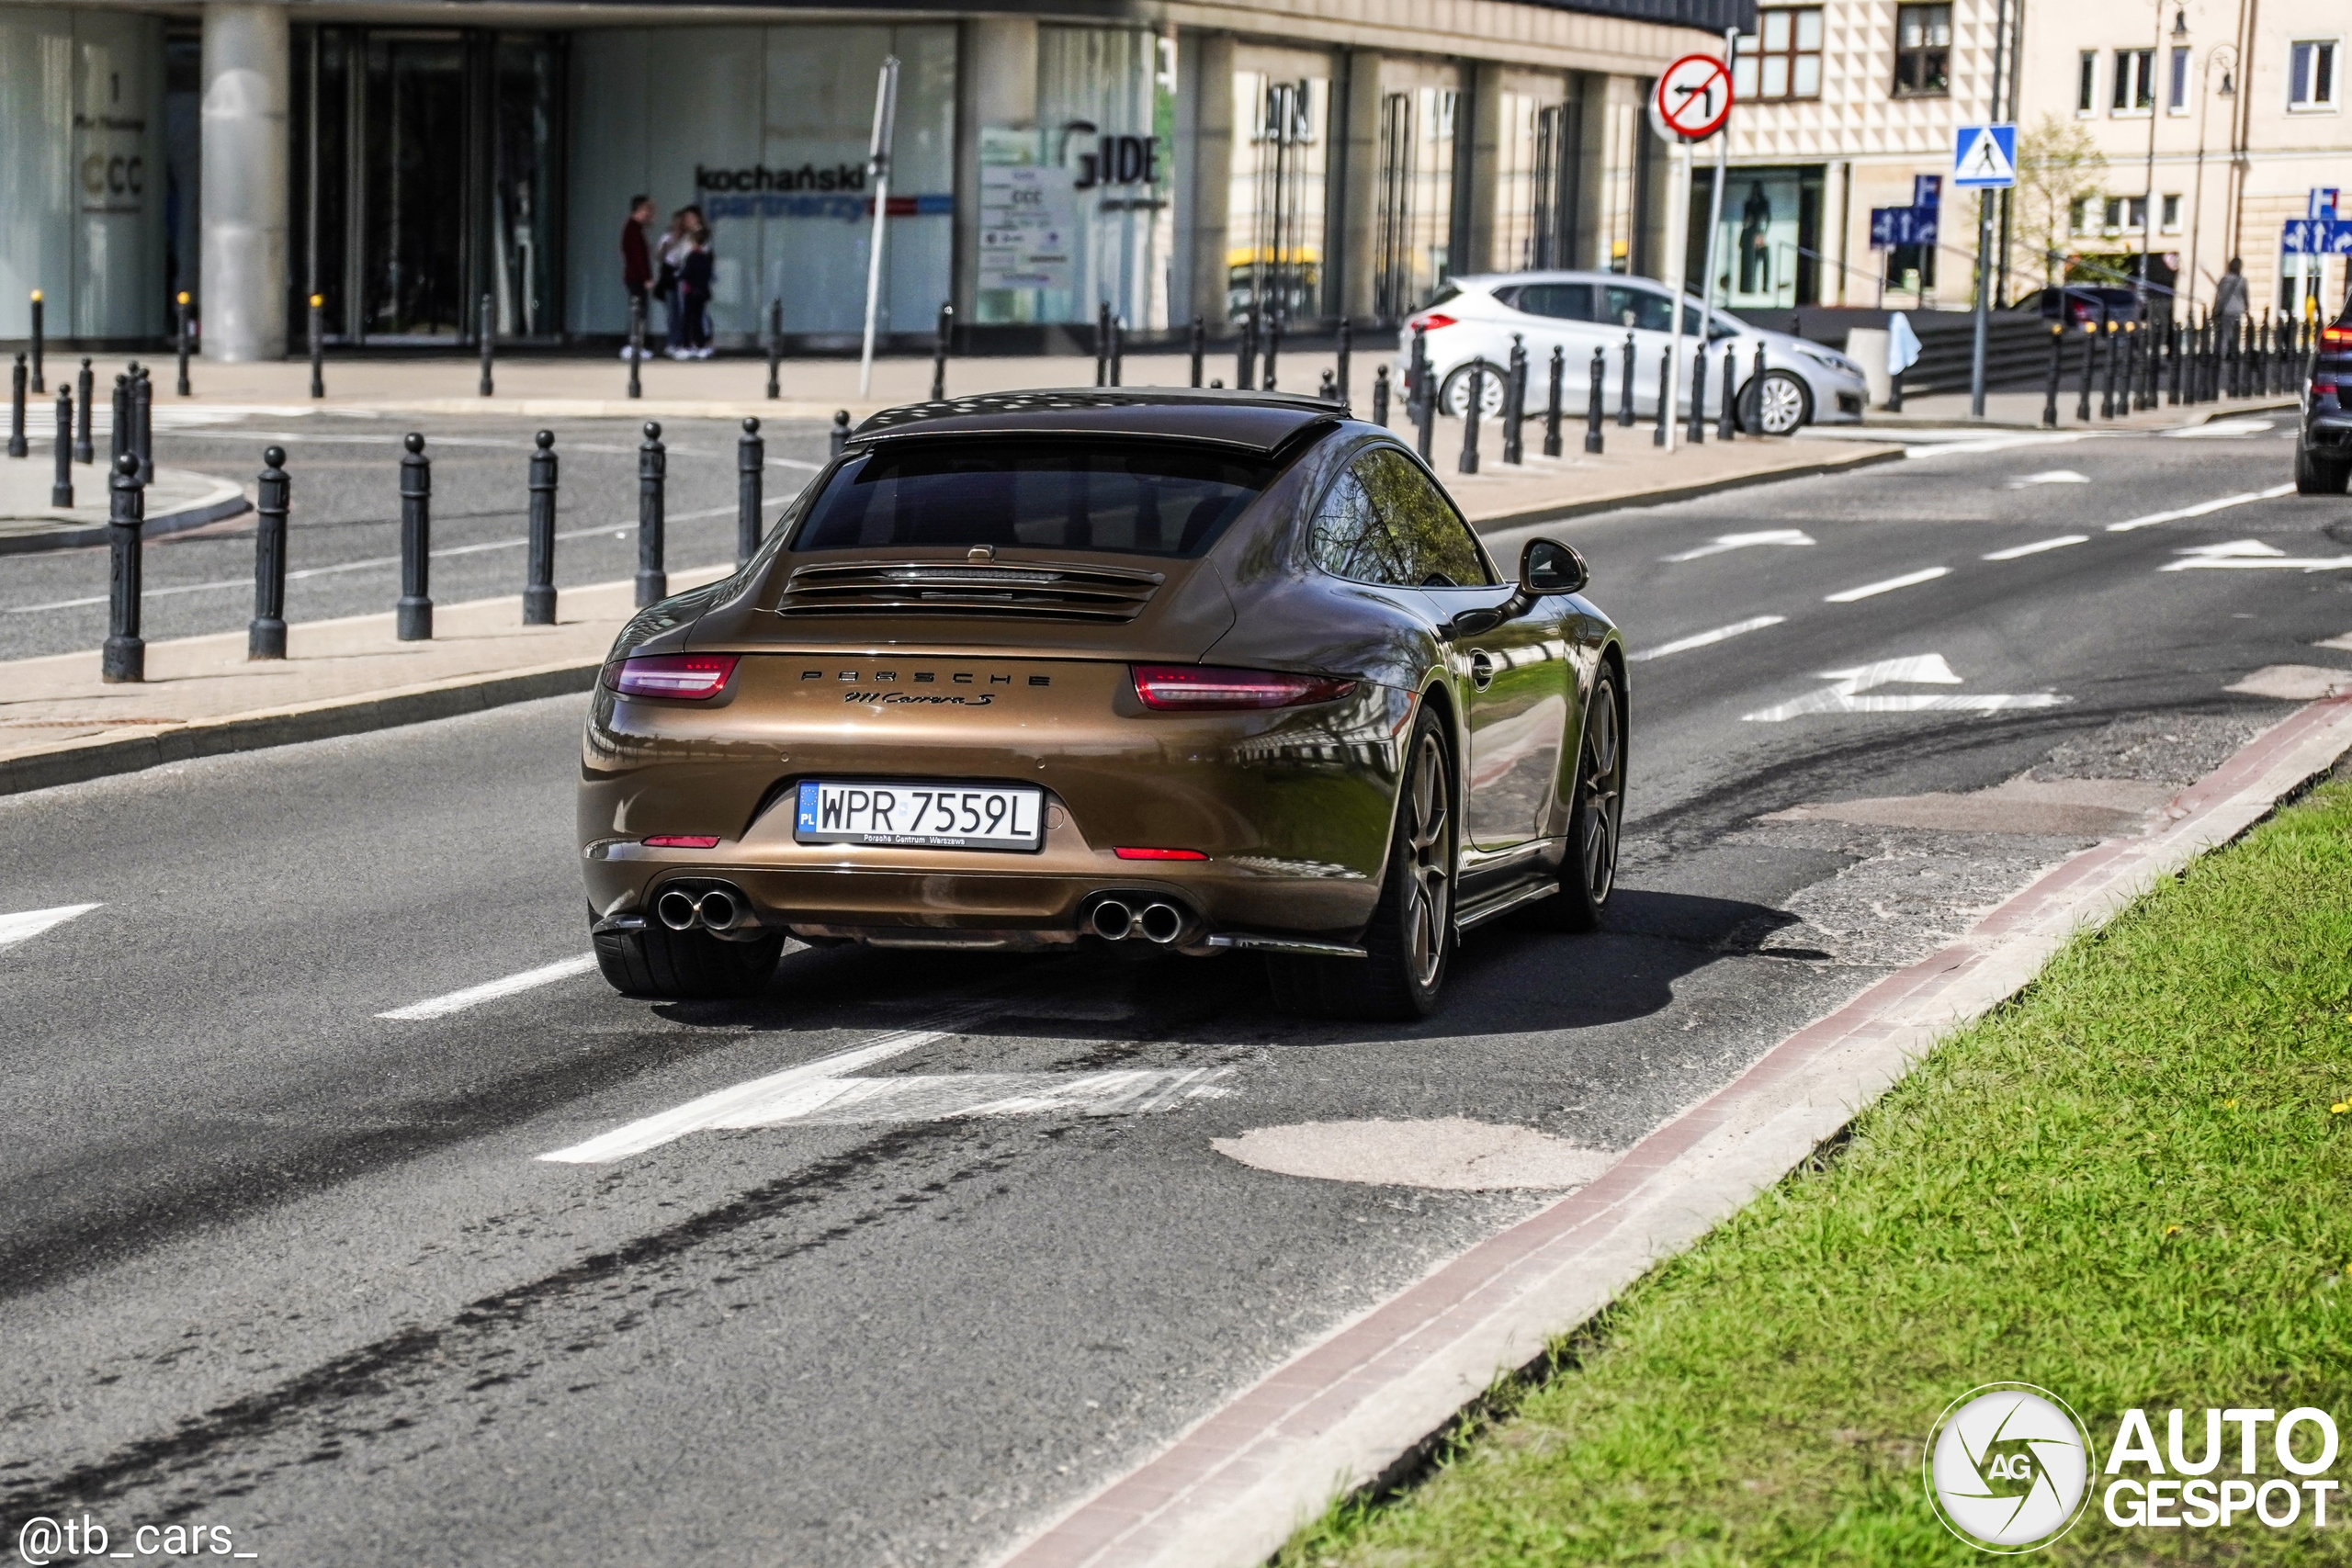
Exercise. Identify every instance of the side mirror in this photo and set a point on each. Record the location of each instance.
(1547, 566)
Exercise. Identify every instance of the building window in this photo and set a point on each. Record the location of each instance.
(2078, 216)
(1922, 51)
(2172, 215)
(2125, 213)
(2310, 74)
(1782, 58)
(2087, 83)
(2135, 86)
(2177, 89)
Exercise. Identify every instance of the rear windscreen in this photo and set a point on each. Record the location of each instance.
(1137, 498)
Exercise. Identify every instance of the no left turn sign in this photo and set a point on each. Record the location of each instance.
(1692, 97)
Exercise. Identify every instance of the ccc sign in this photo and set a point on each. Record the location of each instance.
(114, 175)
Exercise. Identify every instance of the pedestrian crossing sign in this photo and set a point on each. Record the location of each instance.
(1984, 157)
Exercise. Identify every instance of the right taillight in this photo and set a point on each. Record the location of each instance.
(692, 677)
(2336, 337)
(1198, 688)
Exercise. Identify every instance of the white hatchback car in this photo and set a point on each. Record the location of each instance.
(1471, 321)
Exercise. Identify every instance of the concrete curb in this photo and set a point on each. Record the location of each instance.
(1344, 1411)
(1561, 512)
(230, 502)
(287, 726)
(2066, 423)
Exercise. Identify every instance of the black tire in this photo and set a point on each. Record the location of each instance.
(2315, 475)
(1411, 934)
(1454, 393)
(1588, 873)
(1777, 405)
(670, 966)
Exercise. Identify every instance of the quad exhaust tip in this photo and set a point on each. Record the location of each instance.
(1114, 920)
(682, 911)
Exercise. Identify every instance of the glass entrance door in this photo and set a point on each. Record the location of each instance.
(414, 124)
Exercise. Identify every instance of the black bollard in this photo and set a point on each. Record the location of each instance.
(635, 343)
(840, 431)
(1515, 403)
(1471, 408)
(1118, 351)
(1664, 396)
(1330, 388)
(61, 487)
(489, 339)
(2108, 349)
(1625, 387)
(1753, 401)
(2057, 364)
(119, 435)
(40, 343)
(85, 393)
(1273, 345)
(2128, 400)
(751, 468)
(939, 353)
(142, 424)
(652, 477)
(125, 655)
(1245, 358)
(2087, 372)
(317, 346)
(775, 349)
(1727, 423)
(1346, 354)
(1200, 347)
(413, 614)
(1421, 402)
(266, 634)
(1553, 404)
(538, 572)
(1697, 432)
(17, 447)
(2172, 365)
(180, 303)
(1380, 395)
(1592, 407)
(1102, 344)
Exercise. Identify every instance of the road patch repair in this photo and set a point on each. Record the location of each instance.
(1364, 1404)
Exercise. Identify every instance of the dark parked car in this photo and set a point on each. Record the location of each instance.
(2080, 303)
(2324, 446)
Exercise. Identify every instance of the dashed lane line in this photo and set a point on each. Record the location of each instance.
(2202, 509)
(1872, 590)
(1705, 639)
(491, 990)
(2019, 552)
(27, 924)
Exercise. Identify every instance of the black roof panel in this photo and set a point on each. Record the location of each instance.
(1253, 421)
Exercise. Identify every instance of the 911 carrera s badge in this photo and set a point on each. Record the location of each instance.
(942, 699)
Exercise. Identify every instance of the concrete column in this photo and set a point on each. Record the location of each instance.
(996, 89)
(247, 92)
(1203, 176)
(1485, 80)
(1358, 215)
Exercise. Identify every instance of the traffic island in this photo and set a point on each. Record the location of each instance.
(2121, 1188)
(176, 500)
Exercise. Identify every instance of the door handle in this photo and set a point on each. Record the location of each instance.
(1482, 671)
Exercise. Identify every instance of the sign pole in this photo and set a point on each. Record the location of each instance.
(1683, 110)
(886, 114)
(1716, 202)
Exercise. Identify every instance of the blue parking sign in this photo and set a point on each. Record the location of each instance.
(1984, 157)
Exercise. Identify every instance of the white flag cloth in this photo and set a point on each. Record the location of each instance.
(1902, 345)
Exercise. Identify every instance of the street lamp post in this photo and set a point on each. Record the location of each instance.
(2226, 58)
(2148, 209)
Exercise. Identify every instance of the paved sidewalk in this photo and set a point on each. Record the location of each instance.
(2022, 410)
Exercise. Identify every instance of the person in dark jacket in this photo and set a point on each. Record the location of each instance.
(636, 265)
(695, 269)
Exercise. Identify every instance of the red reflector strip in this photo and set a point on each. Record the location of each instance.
(1132, 851)
(1199, 688)
(692, 676)
(682, 841)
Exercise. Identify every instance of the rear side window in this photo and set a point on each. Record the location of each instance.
(1640, 309)
(1133, 498)
(1384, 522)
(1563, 301)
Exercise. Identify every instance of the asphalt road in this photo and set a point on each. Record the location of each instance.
(276, 1263)
(344, 529)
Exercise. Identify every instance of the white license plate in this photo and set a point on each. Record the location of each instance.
(920, 816)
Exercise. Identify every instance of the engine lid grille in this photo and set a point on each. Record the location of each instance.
(1026, 591)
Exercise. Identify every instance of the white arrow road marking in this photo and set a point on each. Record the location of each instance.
(30, 923)
(938, 1097)
(2050, 477)
(1868, 590)
(1727, 542)
(2202, 509)
(1704, 639)
(2244, 555)
(1844, 694)
(2019, 552)
(491, 990)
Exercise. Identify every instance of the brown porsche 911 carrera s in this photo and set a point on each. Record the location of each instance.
(1219, 671)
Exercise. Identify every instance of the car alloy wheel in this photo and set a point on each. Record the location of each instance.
(1454, 396)
(1601, 797)
(1780, 403)
(1427, 834)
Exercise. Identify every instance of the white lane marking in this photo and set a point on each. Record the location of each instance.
(2019, 552)
(1997, 442)
(939, 1097)
(491, 990)
(2050, 477)
(796, 463)
(1727, 542)
(1843, 694)
(2202, 509)
(30, 923)
(2341, 643)
(2222, 428)
(725, 1107)
(2271, 560)
(616, 529)
(1704, 639)
(1869, 590)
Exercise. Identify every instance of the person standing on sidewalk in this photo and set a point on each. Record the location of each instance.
(2229, 296)
(668, 256)
(694, 268)
(636, 265)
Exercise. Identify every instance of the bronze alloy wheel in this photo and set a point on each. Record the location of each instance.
(1411, 933)
(1589, 872)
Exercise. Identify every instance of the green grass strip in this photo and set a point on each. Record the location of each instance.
(2132, 1185)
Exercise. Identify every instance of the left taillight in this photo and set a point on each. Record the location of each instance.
(692, 677)
(1195, 688)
